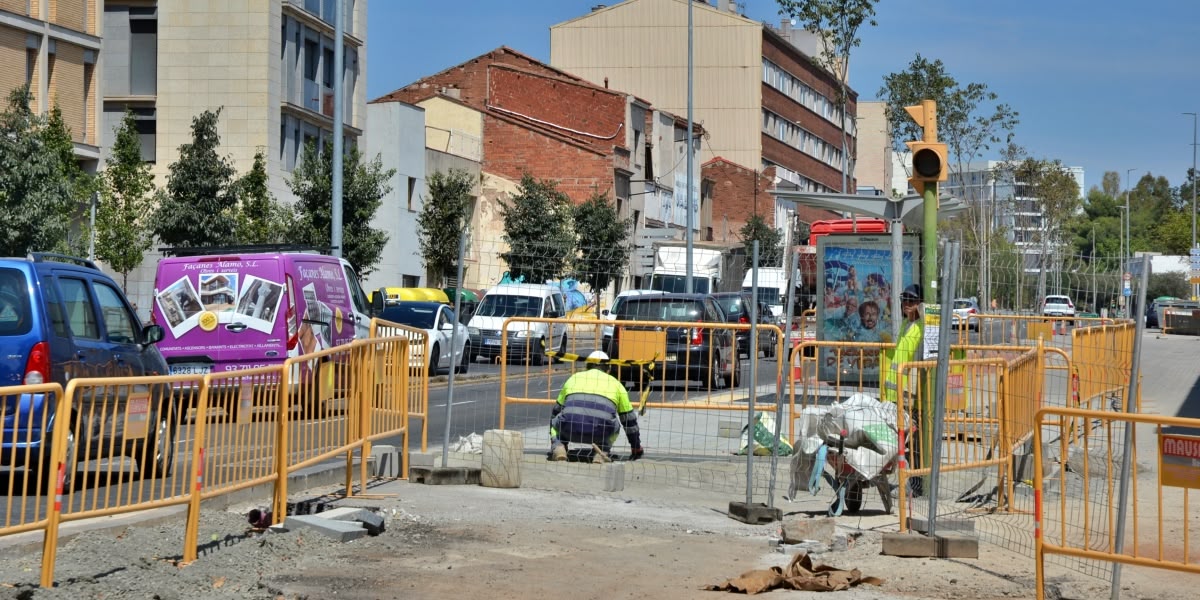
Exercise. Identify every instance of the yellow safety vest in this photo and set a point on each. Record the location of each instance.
(905, 351)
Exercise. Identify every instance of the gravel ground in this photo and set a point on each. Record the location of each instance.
(470, 542)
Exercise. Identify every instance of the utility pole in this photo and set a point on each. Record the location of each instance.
(1195, 287)
(690, 151)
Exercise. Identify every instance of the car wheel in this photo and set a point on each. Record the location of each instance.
(562, 348)
(465, 363)
(735, 376)
(434, 360)
(537, 356)
(157, 453)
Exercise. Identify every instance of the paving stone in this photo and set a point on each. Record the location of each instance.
(754, 514)
(369, 519)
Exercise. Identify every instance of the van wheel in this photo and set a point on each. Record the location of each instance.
(434, 358)
(537, 354)
(465, 363)
(157, 455)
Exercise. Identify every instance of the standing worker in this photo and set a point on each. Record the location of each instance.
(592, 408)
(895, 383)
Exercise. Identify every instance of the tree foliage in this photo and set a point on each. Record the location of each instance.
(603, 248)
(444, 213)
(126, 199)
(364, 184)
(770, 241)
(200, 204)
(538, 229)
(39, 182)
(836, 24)
(261, 219)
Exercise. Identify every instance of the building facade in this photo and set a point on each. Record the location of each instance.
(395, 139)
(53, 46)
(873, 168)
(268, 65)
(760, 97)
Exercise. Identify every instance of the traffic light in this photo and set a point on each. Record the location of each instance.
(928, 155)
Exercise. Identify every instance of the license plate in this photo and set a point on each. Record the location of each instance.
(670, 358)
(487, 342)
(191, 369)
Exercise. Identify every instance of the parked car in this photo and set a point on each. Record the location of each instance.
(62, 318)
(965, 311)
(438, 321)
(528, 340)
(737, 310)
(697, 354)
(1058, 306)
(610, 314)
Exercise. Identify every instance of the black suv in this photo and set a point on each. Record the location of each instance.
(737, 310)
(62, 318)
(702, 355)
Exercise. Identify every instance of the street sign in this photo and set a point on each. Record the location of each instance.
(1127, 292)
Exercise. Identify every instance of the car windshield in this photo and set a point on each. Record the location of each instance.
(677, 284)
(660, 310)
(421, 317)
(766, 295)
(1057, 300)
(962, 304)
(14, 303)
(504, 305)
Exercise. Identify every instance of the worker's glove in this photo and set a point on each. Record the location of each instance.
(636, 454)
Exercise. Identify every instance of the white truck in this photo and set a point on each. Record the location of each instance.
(772, 288)
(670, 269)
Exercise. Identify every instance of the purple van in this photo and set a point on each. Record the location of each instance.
(242, 311)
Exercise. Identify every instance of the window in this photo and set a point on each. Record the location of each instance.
(89, 69)
(15, 315)
(356, 293)
(147, 129)
(311, 54)
(117, 321)
(412, 188)
(80, 313)
(327, 66)
(143, 51)
(31, 60)
(410, 280)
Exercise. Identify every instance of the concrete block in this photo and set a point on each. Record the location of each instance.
(614, 477)
(444, 475)
(385, 461)
(342, 531)
(369, 519)
(754, 514)
(500, 466)
(798, 528)
(841, 542)
(422, 459)
(921, 525)
(950, 545)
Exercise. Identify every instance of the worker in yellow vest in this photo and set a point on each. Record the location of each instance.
(911, 335)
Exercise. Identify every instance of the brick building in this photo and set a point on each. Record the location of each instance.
(741, 192)
(530, 118)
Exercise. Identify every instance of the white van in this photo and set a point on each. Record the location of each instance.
(772, 288)
(525, 340)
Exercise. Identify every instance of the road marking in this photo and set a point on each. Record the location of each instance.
(455, 404)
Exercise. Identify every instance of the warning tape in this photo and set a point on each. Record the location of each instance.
(647, 365)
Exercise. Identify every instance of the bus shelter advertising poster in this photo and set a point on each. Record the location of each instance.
(854, 300)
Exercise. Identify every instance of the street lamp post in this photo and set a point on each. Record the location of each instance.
(1195, 287)
(1128, 219)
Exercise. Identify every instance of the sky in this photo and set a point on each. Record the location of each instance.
(1099, 84)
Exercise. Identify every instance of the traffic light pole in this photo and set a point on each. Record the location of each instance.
(929, 244)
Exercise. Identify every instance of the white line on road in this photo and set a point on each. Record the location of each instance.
(442, 405)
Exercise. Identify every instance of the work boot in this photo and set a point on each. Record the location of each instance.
(558, 453)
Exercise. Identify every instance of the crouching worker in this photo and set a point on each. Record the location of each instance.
(592, 408)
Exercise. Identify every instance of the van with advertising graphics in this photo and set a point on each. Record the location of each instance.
(237, 311)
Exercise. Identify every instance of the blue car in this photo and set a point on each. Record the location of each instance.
(62, 318)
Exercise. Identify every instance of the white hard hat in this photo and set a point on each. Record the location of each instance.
(598, 355)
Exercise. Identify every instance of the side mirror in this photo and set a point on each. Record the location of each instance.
(604, 313)
(153, 334)
(377, 301)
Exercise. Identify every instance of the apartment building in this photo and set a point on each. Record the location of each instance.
(514, 115)
(53, 46)
(267, 64)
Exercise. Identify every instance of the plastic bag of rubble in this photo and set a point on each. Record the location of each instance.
(765, 442)
(469, 444)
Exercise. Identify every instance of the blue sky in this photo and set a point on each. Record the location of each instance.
(1098, 83)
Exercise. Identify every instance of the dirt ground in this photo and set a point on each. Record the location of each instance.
(472, 542)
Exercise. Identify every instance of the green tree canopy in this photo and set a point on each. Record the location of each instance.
(538, 229)
(37, 186)
(126, 200)
(261, 219)
(444, 213)
(602, 250)
(364, 184)
(770, 242)
(200, 206)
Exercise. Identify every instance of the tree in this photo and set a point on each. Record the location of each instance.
(122, 232)
(602, 251)
(363, 187)
(36, 185)
(538, 230)
(439, 225)
(1057, 193)
(82, 185)
(770, 241)
(260, 218)
(200, 206)
(836, 24)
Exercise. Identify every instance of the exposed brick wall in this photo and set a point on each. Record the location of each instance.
(12, 56)
(734, 192)
(470, 78)
(66, 88)
(510, 150)
(69, 13)
(571, 107)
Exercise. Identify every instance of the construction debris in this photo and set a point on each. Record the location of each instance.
(800, 574)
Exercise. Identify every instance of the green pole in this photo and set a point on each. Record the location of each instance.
(929, 270)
